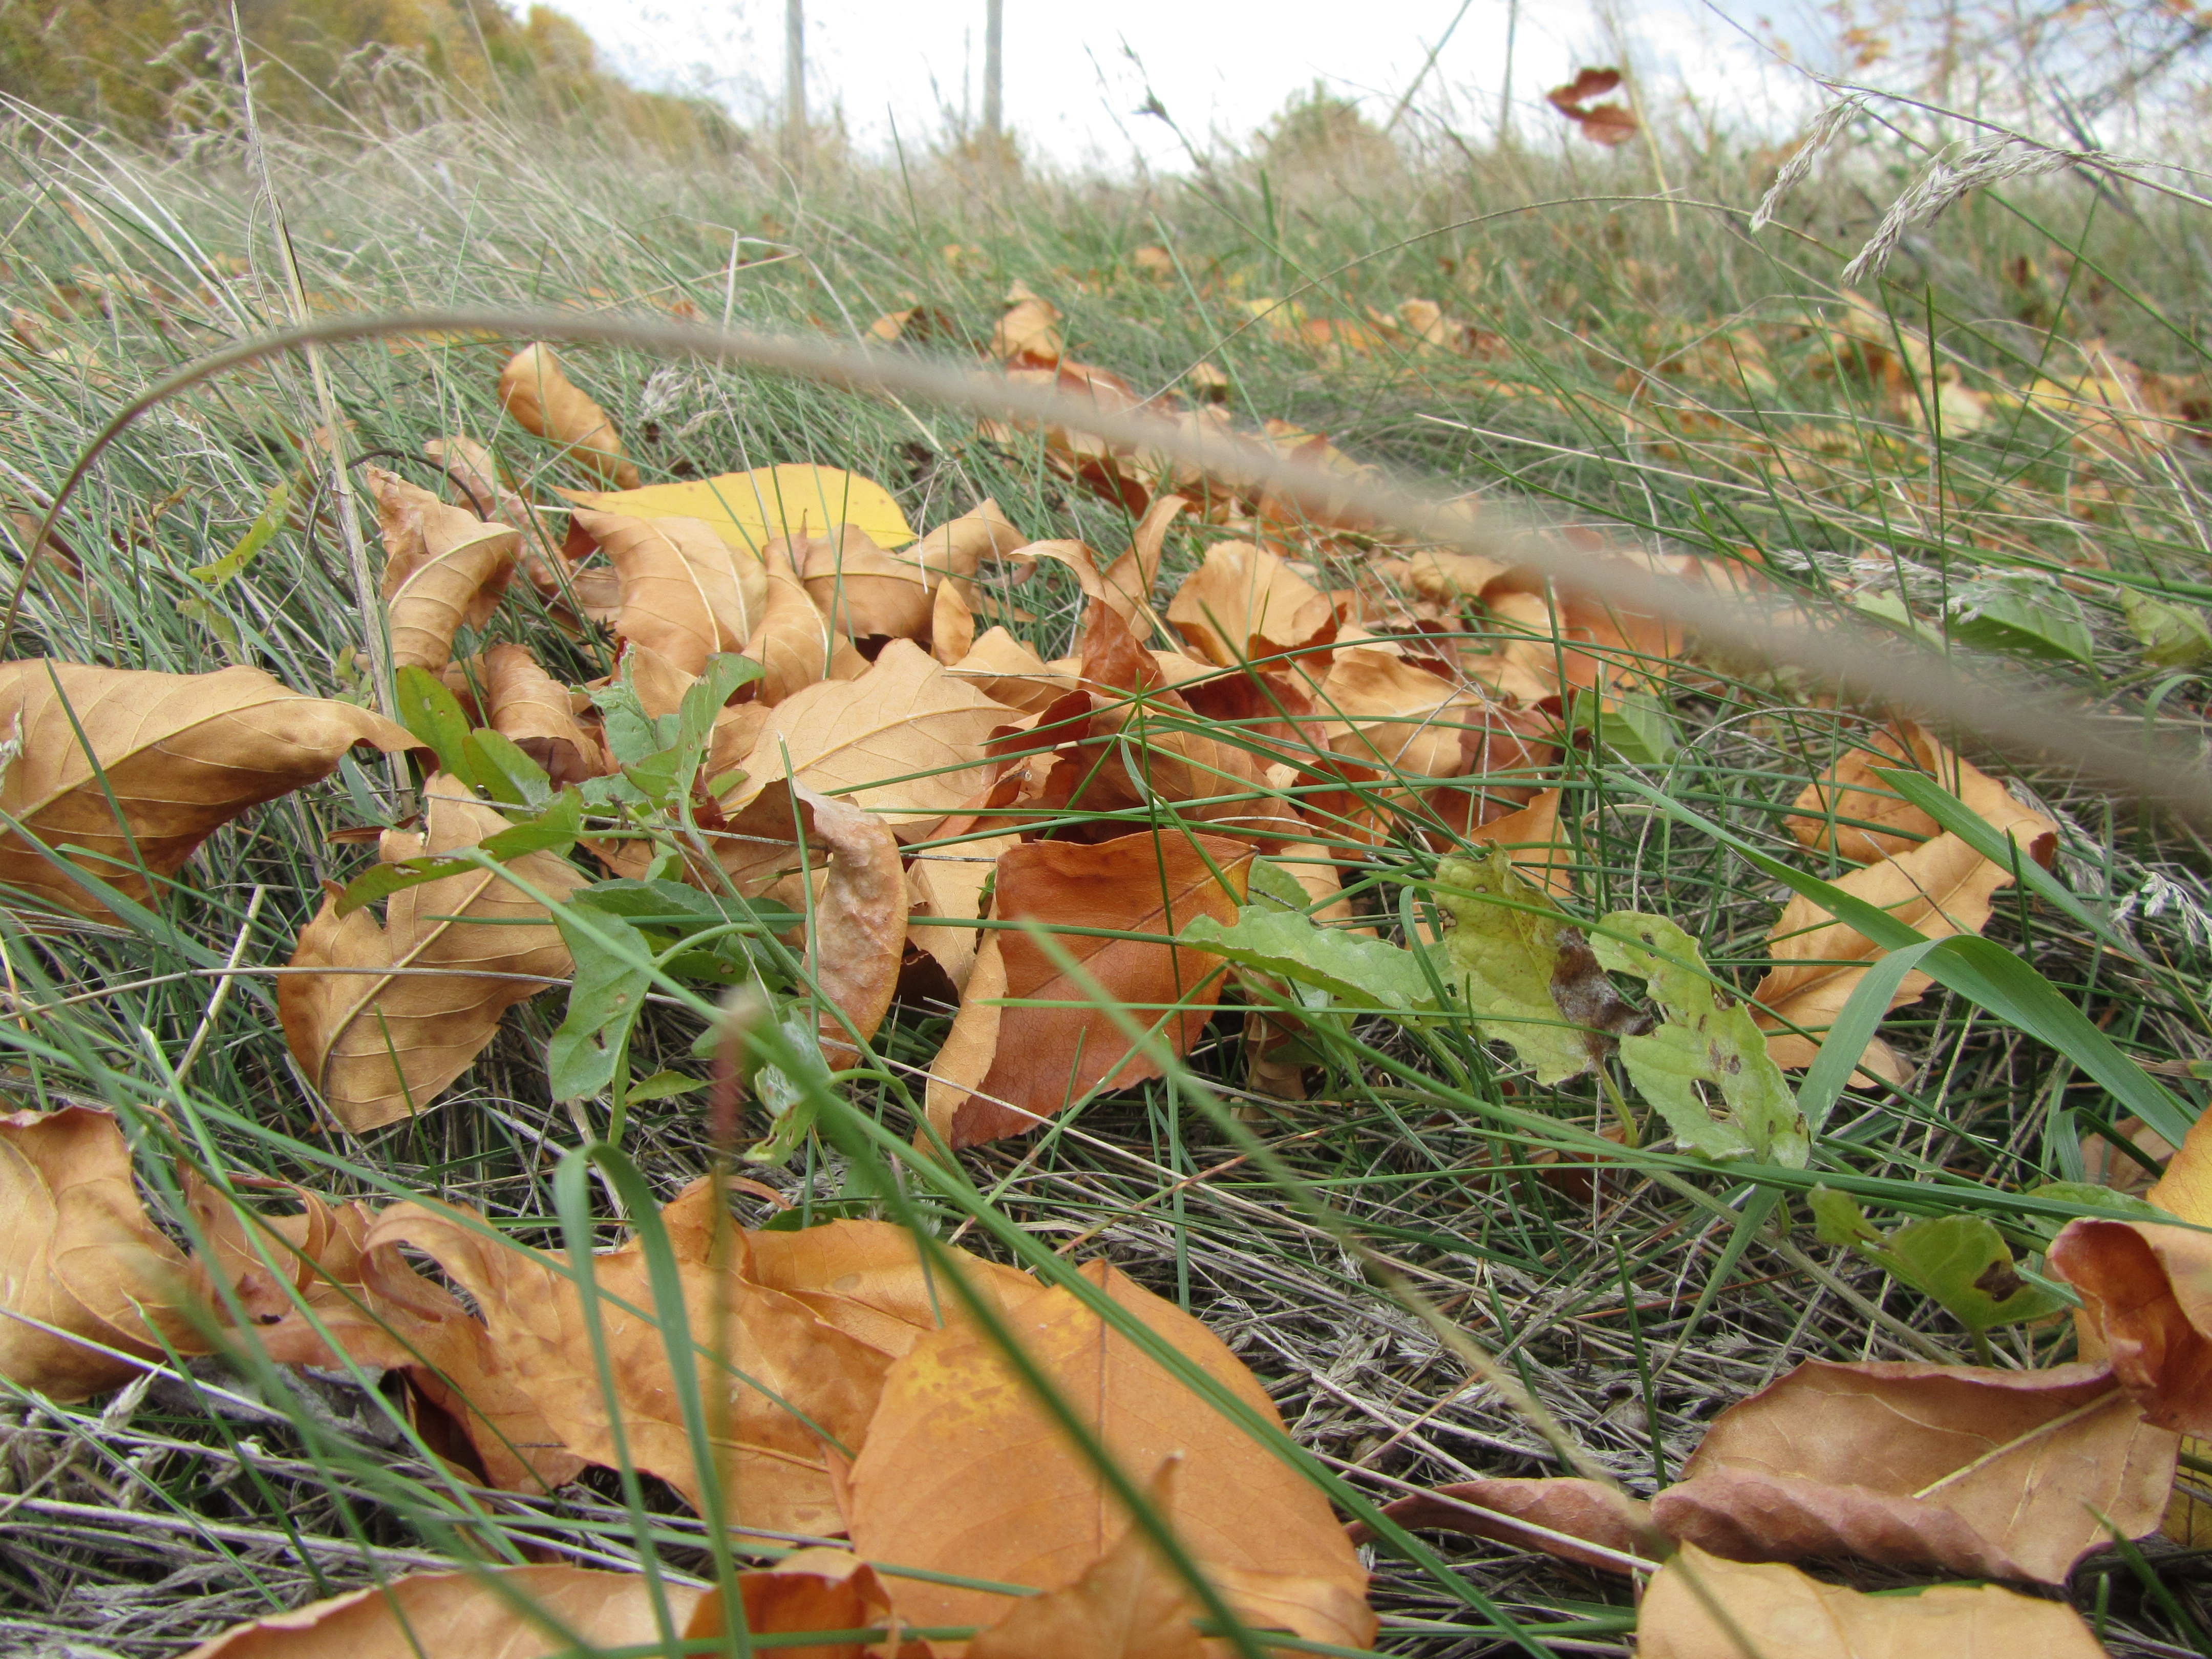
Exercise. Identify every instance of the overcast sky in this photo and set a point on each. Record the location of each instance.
(1076, 73)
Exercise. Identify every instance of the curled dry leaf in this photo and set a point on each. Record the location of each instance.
(809, 1589)
(1029, 333)
(1531, 837)
(444, 569)
(1854, 814)
(1560, 1517)
(80, 1255)
(2147, 1294)
(380, 1046)
(180, 754)
(748, 510)
(1130, 579)
(965, 1473)
(1008, 672)
(434, 1616)
(1941, 887)
(1780, 1610)
(1991, 1473)
(782, 1368)
(948, 885)
(1005, 1069)
(527, 704)
(1245, 602)
(684, 594)
(539, 393)
(863, 590)
(859, 927)
(958, 546)
(794, 642)
(904, 740)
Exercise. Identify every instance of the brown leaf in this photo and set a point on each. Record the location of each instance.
(863, 590)
(958, 546)
(793, 642)
(780, 1364)
(1438, 573)
(380, 1046)
(870, 1280)
(858, 929)
(1531, 836)
(1044, 1058)
(952, 625)
(1245, 602)
(1130, 1605)
(2147, 1294)
(684, 593)
(444, 569)
(949, 886)
(1008, 672)
(905, 740)
(964, 1466)
(182, 754)
(1029, 333)
(1990, 1474)
(1941, 887)
(1130, 579)
(543, 400)
(527, 704)
(79, 1254)
(433, 1615)
(1575, 1508)
(1780, 1610)
(1859, 818)
(809, 1589)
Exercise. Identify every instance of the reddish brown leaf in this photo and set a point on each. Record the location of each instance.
(1573, 1509)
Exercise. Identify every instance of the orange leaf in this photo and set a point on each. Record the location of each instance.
(684, 593)
(543, 399)
(1245, 602)
(859, 930)
(525, 703)
(1859, 818)
(444, 569)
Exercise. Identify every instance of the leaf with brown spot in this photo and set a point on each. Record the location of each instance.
(1856, 815)
(1782, 1611)
(80, 1253)
(379, 1046)
(859, 927)
(1941, 887)
(965, 1473)
(684, 593)
(1043, 1058)
(444, 569)
(768, 1462)
(181, 755)
(442, 1614)
(543, 400)
(1991, 1473)
(1245, 602)
(863, 590)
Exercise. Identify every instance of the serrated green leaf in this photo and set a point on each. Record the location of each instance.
(1273, 885)
(432, 713)
(1705, 1039)
(1358, 971)
(632, 734)
(2173, 635)
(1502, 957)
(258, 536)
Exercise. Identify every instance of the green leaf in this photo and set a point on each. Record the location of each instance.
(2173, 635)
(256, 536)
(716, 684)
(555, 828)
(2090, 1196)
(1504, 955)
(432, 713)
(1271, 885)
(603, 1004)
(663, 1085)
(504, 772)
(1961, 1262)
(632, 734)
(1892, 609)
(1636, 729)
(1706, 1039)
(2024, 612)
(1357, 971)
(789, 1101)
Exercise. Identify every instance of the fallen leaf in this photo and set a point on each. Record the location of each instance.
(948, 884)
(1008, 672)
(965, 1473)
(526, 704)
(1357, 970)
(444, 569)
(684, 594)
(858, 931)
(952, 625)
(1028, 332)
(1527, 974)
(1130, 1605)
(1531, 836)
(871, 1280)
(180, 754)
(1854, 814)
(809, 1589)
(544, 401)
(80, 1255)
(2147, 1294)
(1705, 1039)
(794, 642)
(1128, 581)
(433, 1615)
(380, 1046)
(863, 590)
(1245, 602)
(779, 1367)
(958, 546)
(1606, 124)
(1576, 1510)
(749, 510)
(905, 740)
(1780, 1610)
(1990, 1473)
(1038, 1059)
(1941, 887)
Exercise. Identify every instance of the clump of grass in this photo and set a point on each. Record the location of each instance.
(1699, 391)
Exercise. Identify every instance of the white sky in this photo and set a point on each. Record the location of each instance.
(1075, 73)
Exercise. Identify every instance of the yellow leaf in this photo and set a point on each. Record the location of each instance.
(749, 509)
